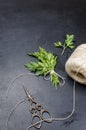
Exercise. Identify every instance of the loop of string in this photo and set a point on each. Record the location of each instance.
(62, 78)
(62, 118)
(53, 72)
(45, 76)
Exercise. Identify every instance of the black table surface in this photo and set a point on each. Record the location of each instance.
(24, 26)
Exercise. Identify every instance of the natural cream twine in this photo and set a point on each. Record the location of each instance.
(76, 64)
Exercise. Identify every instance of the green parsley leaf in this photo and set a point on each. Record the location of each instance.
(68, 43)
(58, 44)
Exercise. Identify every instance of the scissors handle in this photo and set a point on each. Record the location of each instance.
(40, 116)
(46, 116)
(36, 118)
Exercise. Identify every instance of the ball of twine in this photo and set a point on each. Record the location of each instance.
(76, 64)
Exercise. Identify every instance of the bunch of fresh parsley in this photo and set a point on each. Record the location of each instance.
(45, 61)
(68, 43)
(45, 64)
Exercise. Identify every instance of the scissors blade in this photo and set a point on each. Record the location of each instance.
(27, 93)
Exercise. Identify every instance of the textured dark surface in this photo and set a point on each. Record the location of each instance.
(24, 26)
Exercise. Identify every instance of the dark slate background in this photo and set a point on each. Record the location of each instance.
(24, 26)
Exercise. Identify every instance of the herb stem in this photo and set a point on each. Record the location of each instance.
(63, 50)
(68, 43)
(61, 79)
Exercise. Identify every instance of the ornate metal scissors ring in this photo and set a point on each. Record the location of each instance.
(37, 111)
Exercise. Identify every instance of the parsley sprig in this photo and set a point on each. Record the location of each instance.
(68, 43)
(44, 65)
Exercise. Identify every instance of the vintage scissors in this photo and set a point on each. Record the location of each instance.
(37, 111)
